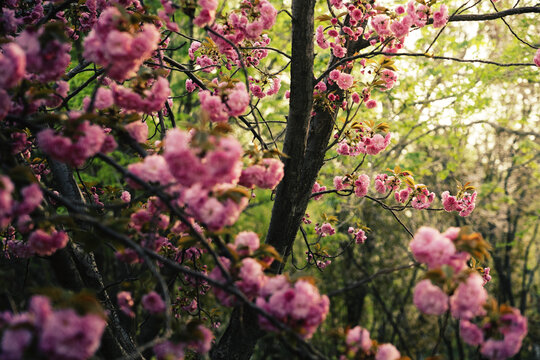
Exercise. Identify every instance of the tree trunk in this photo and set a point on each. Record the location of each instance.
(238, 341)
(306, 141)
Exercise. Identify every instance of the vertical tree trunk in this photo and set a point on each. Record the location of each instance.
(241, 335)
(306, 140)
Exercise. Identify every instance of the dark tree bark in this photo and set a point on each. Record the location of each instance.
(291, 199)
(76, 269)
(291, 196)
(306, 141)
(241, 336)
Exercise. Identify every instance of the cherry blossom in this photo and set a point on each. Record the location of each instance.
(430, 299)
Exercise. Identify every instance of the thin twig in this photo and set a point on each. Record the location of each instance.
(370, 278)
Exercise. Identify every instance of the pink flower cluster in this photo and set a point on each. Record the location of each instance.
(46, 57)
(466, 303)
(57, 334)
(463, 204)
(324, 230)
(206, 64)
(37, 56)
(359, 16)
(512, 326)
(44, 244)
(203, 60)
(89, 18)
(431, 247)
(341, 182)
(430, 299)
(191, 86)
(215, 211)
(365, 142)
(9, 21)
(20, 144)
(320, 38)
(265, 175)
(207, 14)
(403, 195)
(380, 24)
(120, 52)
(153, 168)
(138, 130)
(9, 208)
(508, 331)
(189, 165)
(39, 241)
(202, 171)
(417, 15)
(358, 341)
(418, 12)
(153, 303)
(249, 277)
(361, 185)
(265, 17)
(389, 77)
(171, 350)
(165, 14)
(468, 299)
(385, 183)
(343, 80)
(243, 28)
(419, 197)
(422, 197)
(400, 28)
(317, 188)
(246, 243)
(125, 303)
(387, 352)
(125, 196)
(353, 32)
(87, 140)
(147, 222)
(486, 276)
(300, 306)
(383, 27)
(13, 65)
(103, 99)
(204, 180)
(257, 90)
(227, 102)
(470, 333)
(359, 235)
(239, 28)
(151, 100)
(536, 58)
(440, 17)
